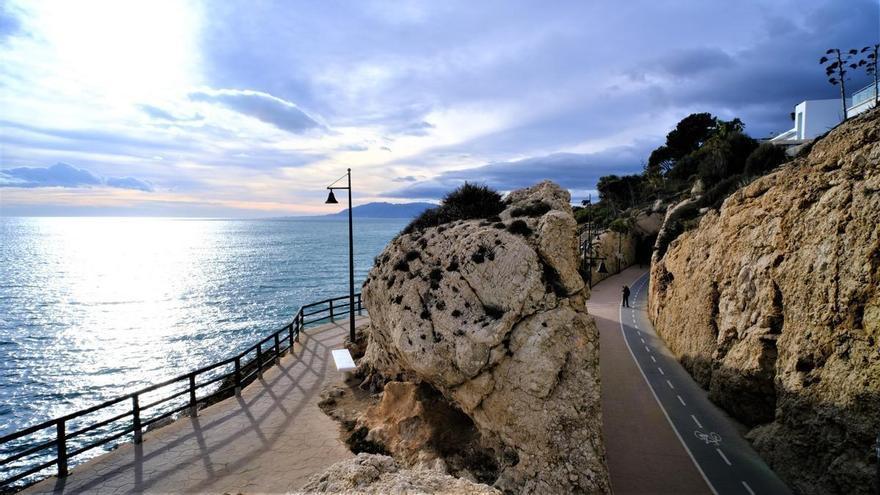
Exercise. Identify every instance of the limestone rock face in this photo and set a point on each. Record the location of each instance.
(491, 314)
(380, 474)
(773, 304)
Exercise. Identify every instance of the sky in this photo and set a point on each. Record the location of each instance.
(251, 108)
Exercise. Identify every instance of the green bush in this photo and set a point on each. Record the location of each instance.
(765, 158)
(467, 202)
(535, 209)
(519, 227)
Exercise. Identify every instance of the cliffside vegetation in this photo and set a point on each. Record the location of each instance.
(701, 150)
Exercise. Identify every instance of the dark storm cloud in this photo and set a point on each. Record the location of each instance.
(265, 107)
(64, 175)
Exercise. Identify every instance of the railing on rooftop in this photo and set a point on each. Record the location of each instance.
(863, 95)
(27, 459)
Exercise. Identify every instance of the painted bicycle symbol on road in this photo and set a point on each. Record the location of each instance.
(710, 438)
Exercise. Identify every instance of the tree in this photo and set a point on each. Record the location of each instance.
(836, 71)
(620, 192)
(690, 133)
(869, 62)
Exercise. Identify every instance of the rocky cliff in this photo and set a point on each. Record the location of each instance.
(773, 304)
(490, 314)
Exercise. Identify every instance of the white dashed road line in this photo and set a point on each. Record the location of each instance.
(748, 488)
(643, 340)
(660, 370)
(647, 348)
(697, 421)
(724, 457)
(670, 384)
(681, 400)
(653, 359)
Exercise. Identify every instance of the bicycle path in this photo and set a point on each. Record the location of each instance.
(270, 439)
(662, 433)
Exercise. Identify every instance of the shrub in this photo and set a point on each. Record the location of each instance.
(716, 194)
(465, 203)
(535, 209)
(620, 225)
(765, 158)
(519, 227)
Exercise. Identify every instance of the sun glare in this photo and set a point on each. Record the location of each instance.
(122, 49)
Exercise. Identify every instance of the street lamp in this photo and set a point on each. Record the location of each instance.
(587, 247)
(331, 200)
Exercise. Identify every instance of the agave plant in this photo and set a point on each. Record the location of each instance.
(836, 70)
(869, 63)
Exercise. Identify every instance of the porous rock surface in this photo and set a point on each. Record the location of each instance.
(381, 474)
(491, 314)
(773, 304)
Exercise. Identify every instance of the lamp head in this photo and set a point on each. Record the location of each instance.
(602, 268)
(331, 199)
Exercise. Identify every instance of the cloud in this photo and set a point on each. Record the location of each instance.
(160, 114)
(421, 128)
(406, 178)
(692, 62)
(9, 23)
(574, 171)
(128, 183)
(64, 175)
(270, 109)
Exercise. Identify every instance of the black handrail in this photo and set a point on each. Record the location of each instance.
(268, 352)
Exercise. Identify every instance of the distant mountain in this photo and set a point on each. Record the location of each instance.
(384, 210)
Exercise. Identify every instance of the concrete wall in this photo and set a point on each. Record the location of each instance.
(606, 245)
(817, 117)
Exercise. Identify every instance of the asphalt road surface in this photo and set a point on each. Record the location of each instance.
(662, 433)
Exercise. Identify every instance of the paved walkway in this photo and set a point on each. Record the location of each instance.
(662, 433)
(644, 453)
(268, 440)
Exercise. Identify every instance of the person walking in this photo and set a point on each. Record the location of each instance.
(625, 303)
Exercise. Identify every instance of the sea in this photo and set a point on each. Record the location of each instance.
(93, 308)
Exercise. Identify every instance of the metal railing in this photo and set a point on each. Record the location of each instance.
(234, 373)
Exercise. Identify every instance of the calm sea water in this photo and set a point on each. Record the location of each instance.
(92, 308)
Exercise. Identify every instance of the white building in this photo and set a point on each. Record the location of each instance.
(812, 118)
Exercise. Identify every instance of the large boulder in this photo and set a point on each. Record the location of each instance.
(773, 304)
(491, 314)
(380, 475)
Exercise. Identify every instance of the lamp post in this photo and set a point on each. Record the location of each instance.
(331, 199)
(587, 248)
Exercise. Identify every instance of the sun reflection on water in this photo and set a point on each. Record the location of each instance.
(95, 308)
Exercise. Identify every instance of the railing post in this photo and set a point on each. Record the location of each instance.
(331, 310)
(360, 305)
(192, 395)
(61, 443)
(237, 375)
(136, 419)
(290, 334)
(260, 359)
(277, 349)
(299, 325)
